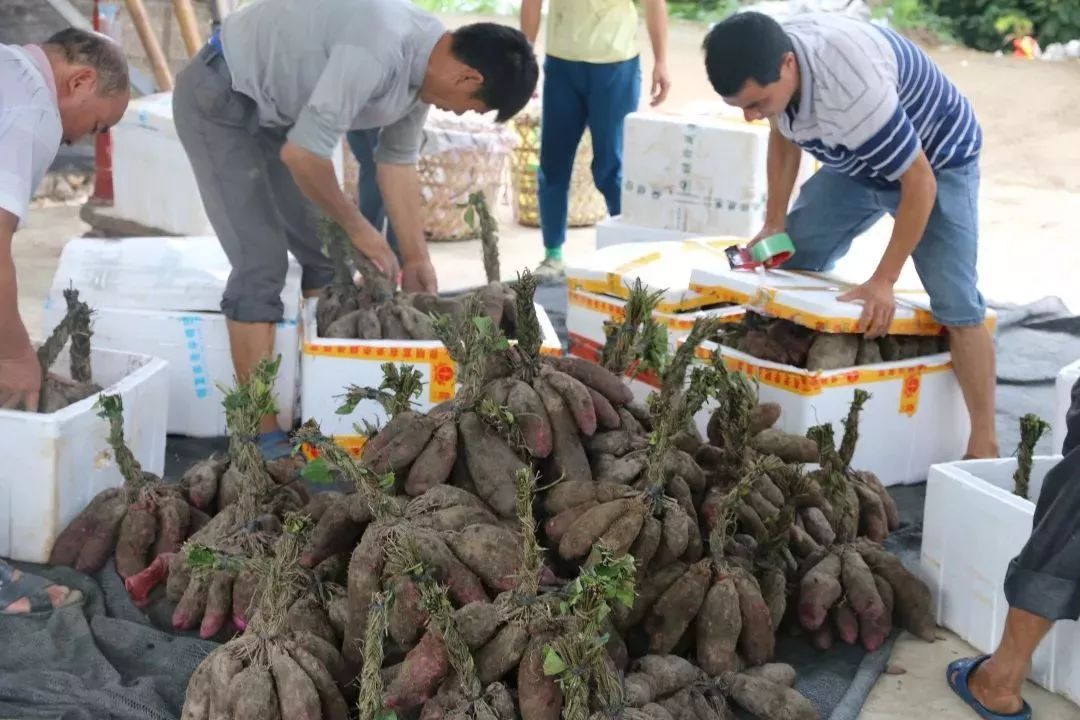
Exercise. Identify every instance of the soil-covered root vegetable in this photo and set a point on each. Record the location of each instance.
(757, 639)
(435, 462)
(873, 522)
(576, 396)
(492, 463)
(787, 447)
(818, 526)
(676, 608)
(539, 695)
(874, 633)
(336, 529)
(763, 417)
(718, 626)
(767, 700)
(568, 459)
(892, 512)
(911, 596)
(818, 592)
(398, 444)
(778, 673)
(532, 418)
(860, 588)
(424, 668)
(845, 623)
(832, 351)
(484, 549)
(596, 377)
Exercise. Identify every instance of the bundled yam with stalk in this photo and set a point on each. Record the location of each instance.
(138, 523)
(785, 342)
(271, 670)
(1032, 428)
(58, 392)
(211, 577)
(378, 311)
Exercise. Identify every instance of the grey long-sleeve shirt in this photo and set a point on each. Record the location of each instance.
(323, 67)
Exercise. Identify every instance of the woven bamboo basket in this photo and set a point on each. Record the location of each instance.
(587, 206)
(460, 155)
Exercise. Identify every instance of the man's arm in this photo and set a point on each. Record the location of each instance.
(20, 374)
(782, 169)
(315, 177)
(656, 21)
(396, 156)
(530, 19)
(352, 74)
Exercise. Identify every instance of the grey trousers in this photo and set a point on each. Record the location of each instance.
(1044, 578)
(251, 200)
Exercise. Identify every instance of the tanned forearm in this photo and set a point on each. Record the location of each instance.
(399, 186)
(11, 326)
(656, 21)
(782, 168)
(918, 192)
(315, 177)
(530, 19)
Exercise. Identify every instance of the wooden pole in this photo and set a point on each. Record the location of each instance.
(189, 26)
(160, 65)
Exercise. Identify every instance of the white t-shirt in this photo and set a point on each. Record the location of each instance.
(30, 129)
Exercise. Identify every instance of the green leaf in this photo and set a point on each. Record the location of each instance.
(386, 715)
(347, 408)
(470, 217)
(200, 556)
(317, 471)
(625, 596)
(553, 664)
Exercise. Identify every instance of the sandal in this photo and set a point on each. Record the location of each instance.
(958, 675)
(16, 585)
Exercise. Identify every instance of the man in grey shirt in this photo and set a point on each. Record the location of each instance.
(261, 108)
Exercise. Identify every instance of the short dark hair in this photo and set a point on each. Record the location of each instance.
(97, 51)
(505, 58)
(745, 46)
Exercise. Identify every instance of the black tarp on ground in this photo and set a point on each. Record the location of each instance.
(111, 660)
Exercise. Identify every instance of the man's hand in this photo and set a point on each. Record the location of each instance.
(879, 306)
(768, 230)
(375, 248)
(419, 276)
(20, 376)
(661, 83)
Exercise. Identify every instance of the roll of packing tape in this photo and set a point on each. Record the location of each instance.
(773, 250)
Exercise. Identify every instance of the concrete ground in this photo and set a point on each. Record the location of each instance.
(1029, 226)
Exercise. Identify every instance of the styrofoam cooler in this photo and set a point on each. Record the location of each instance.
(1068, 377)
(616, 231)
(599, 285)
(703, 174)
(153, 183)
(329, 366)
(161, 296)
(916, 415)
(973, 526)
(57, 462)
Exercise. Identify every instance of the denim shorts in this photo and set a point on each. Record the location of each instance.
(833, 209)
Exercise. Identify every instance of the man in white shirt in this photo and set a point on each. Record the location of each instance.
(74, 84)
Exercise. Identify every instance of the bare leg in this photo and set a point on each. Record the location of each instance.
(976, 370)
(251, 343)
(997, 683)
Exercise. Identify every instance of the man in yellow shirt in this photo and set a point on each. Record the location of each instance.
(592, 78)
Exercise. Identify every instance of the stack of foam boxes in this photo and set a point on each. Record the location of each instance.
(692, 175)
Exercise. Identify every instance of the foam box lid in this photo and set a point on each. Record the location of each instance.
(663, 266)
(742, 286)
(186, 274)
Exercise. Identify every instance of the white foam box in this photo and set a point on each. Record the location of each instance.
(161, 297)
(153, 183)
(914, 418)
(703, 174)
(616, 231)
(1068, 377)
(328, 366)
(57, 462)
(599, 285)
(973, 526)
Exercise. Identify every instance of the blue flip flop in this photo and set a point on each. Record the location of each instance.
(958, 675)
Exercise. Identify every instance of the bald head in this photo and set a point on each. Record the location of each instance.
(92, 85)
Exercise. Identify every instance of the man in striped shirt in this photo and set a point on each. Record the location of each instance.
(895, 136)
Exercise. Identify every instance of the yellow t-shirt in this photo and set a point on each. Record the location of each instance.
(597, 31)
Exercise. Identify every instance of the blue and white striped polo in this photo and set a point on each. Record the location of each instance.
(870, 99)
